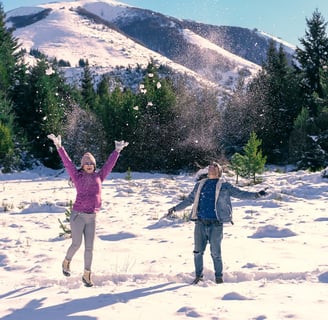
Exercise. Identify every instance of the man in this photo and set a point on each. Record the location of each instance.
(211, 208)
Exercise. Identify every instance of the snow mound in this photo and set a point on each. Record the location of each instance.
(271, 231)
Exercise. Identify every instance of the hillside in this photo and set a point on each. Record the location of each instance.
(112, 35)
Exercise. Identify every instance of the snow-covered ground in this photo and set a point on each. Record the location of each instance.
(275, 255)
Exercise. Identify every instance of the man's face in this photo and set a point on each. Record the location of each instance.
(213, 171)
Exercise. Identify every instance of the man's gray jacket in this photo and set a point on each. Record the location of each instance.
(223, 208)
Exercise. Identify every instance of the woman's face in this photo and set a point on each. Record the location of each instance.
(88, 167)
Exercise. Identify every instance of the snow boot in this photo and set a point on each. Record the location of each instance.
(218, 280)
(86, 278)
(197, 279)
(65, 268)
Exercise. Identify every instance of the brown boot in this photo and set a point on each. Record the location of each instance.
(65, 268)
(86, 278)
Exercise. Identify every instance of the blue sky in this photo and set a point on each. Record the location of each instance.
(282, 18)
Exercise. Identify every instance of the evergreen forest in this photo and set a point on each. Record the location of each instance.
(169, 125)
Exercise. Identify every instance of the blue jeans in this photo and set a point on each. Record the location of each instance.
(212, 233)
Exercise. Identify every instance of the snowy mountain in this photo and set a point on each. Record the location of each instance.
(114, 35)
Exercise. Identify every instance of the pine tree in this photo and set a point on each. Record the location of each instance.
(310, 149)
(153, 134)
(6, 112)
(10, 65)
(10, 56)
(313, 57)
(282, 105)
(6, 133)
(47, 97)
(115, 110)
(66, 231)
(6, 148)
(273, 104)
(237, 164)
(252, 161)
(309, 139)
(88, 92)
(305, 151)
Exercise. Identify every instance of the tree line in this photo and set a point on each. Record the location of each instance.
(170, 125)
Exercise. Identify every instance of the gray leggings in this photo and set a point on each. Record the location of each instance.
(82, 224)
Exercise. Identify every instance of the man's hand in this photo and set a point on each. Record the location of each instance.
(262, 193)
(170, 212)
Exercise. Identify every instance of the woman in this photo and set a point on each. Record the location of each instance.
(87, 203)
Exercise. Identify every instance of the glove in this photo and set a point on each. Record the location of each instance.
(119, 145)
(56, 140)
(262, 193)
(170, 211)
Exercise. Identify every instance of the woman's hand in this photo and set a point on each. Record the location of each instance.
(56, 140)
(119, 145)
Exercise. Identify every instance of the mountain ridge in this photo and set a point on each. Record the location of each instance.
(111, 34)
